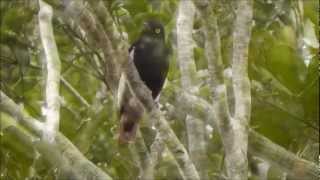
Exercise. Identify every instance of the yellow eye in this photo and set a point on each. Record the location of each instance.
(157, 31)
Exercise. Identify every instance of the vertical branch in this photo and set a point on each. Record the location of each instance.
(233, 130)
(241, 82)
(195, 127)
(185, 43)
(53, 64)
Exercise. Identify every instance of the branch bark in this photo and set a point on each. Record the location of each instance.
(140, 90)
(62, 154)
(242, 91)
(185, 57)
(259, 145)
(115, 59)
(146, 163)
(53, 66)
(278, 156)
(232, 129)
(77, 10)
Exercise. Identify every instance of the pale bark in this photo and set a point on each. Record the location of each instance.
(62, 154)
(237, 157)
(185, 57)
(53, 66)
(185, 18)
(296, 167)
(259, 145)
(140, 90)
(233, 130)
(117, 58)
(145, 161)
(98, 37)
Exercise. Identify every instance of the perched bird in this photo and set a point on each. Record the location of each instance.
(150, 56)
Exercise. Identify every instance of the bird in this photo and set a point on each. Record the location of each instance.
(150, 57)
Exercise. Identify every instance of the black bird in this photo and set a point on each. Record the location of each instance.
(150, 56)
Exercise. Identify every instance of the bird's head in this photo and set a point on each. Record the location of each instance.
(154, 29)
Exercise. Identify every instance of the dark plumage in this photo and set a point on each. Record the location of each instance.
(150, 57)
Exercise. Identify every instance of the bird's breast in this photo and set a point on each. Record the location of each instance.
(152, 65)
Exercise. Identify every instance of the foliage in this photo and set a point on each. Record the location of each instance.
(283, 69)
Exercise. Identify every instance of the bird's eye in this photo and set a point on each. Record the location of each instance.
(157, 30)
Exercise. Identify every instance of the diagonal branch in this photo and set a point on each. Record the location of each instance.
(140, 90)
(278, 156)
(117, 59)
(78, 10)
(258, 144)
(63, 154)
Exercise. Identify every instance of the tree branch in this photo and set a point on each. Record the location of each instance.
(185, 57)
(232, 129)
(75, 92)
(278, 156)
(53, 67)
(78, 10)
(140, 91)
(62, 154)
(115, 59)
(258, 145)
(242, 91)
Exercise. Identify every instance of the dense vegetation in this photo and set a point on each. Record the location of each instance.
(283, 68)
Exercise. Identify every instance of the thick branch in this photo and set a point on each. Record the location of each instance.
(232, 129)
(139, 89)
(241, 82)
(195, 127)
(242, 91)
(258, 145)
(114, 60)
(185, 43)
(53, 67)
(276, 155)
(62, 154)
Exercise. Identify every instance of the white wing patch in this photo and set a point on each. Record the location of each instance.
(121, 89)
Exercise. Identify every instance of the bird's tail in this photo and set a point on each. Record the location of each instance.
(130, 115)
